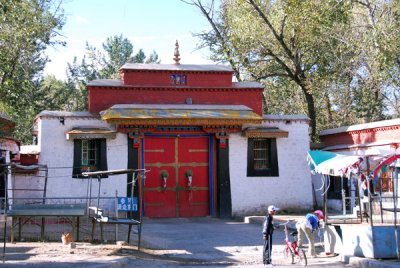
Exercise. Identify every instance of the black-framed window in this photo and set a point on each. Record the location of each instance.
(262, 158)
(336, 185)
(89, 155)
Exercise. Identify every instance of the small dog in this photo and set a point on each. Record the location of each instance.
(66, 238)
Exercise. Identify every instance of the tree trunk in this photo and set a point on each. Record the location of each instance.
(311, 112)
(328, 109)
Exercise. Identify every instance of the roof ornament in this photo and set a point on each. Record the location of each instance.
(176, 54)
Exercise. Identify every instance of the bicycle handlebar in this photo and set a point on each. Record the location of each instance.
(288, 221)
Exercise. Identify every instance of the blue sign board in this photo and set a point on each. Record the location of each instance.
(124, 204)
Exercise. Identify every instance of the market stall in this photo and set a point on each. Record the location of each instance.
(371, 230)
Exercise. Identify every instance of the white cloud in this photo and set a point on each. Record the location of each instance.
(82, 20)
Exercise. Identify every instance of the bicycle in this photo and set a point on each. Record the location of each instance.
(292, 253)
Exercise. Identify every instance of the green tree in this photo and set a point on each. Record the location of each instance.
(27, 28)
(105, 64)
(153, 58)
(336, 61)
(380, 20)
(118, 51)
(275, 42)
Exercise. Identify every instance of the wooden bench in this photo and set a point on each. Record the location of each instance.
(45, 210)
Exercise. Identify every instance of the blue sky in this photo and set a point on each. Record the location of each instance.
(148, 24)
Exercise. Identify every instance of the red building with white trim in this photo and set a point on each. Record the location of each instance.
(374, 140)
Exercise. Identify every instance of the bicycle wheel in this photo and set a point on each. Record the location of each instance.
(288, 255)
(300, 257)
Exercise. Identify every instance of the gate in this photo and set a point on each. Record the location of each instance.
(178, 184)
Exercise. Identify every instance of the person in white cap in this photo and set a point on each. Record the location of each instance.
(308, 225)
(268, 229)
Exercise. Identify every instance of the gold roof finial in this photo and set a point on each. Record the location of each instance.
(176, 54)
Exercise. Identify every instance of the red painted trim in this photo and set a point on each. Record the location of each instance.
(386, 162)
(215, 175)
(365, 136)
(140, 182)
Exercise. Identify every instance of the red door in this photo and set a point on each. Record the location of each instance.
(176, 158)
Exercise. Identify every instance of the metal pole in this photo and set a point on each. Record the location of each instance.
(344, 201)
(43, 223)
(89, 185)
(325, 194)
(116, 215)
(395, 180)
(380, 196)
(45, 184)
(142, 178)
(5, 211)
(369, 197)
(90, 191)
(359, 201)
(343, 195)
(134, 177)
(393, 173)
(98, 194)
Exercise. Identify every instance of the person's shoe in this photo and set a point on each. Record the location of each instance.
(271, 265)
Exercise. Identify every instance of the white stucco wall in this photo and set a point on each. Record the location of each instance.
(291, 190)
(57, 153)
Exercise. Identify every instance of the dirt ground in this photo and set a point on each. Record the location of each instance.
(85, 254)
(37, 252)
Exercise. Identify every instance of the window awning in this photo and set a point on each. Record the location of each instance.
(185, 114)
(265, 133)
(91, 133)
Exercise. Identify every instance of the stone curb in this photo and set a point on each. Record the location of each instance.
(370, 263)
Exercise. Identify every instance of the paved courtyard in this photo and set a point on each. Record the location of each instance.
(165, 242)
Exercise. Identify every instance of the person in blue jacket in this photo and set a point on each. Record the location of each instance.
(268, 229)
(308, 225)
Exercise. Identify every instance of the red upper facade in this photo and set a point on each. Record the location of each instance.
(174, 84)
(382, 132)
(176, 75)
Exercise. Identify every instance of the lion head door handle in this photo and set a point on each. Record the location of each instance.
(164, 175)
(189, 176)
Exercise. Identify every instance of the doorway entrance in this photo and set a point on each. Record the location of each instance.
(178, 184)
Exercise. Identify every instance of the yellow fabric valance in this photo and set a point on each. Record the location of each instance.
(198, 116)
